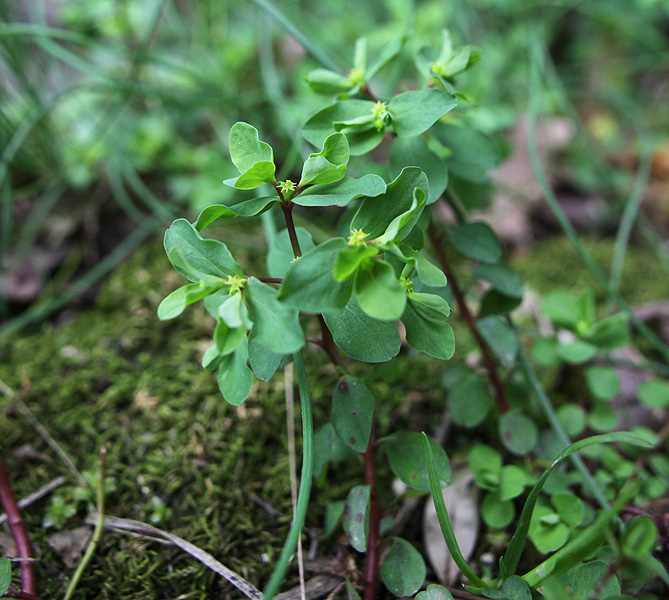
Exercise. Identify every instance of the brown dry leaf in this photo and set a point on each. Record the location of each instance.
(461, 498)
(71, 544)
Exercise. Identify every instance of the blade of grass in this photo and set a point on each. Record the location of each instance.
(305, 481)
(292, 29)
(444, 519)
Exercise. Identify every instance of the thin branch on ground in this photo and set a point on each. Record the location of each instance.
(126, 525)
(41, 430)
(37, 495)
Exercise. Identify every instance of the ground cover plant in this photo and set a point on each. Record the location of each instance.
(369, 243)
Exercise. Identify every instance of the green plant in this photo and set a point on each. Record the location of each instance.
(373, 272)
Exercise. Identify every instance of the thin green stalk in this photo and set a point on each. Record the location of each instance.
(305, 481)
(97, 532)
(536, 55)
(302, 39)
(554, 421)
(444, 520)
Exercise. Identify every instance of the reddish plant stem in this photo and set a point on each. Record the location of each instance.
(435, 238)
(19, 531)
(270, 279)
(290, 225)
(374, 520)
(328, 344)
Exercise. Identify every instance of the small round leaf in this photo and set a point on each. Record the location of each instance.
(403, 570)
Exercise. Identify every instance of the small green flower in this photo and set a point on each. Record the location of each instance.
(407, 284)
(236, 283)
(357, 238)
(287, 188)
(381, 115)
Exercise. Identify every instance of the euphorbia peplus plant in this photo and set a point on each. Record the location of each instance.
(357, 285)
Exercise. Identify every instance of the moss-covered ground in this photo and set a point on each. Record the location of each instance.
(180, 456)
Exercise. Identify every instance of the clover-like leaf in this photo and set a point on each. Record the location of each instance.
(246, 149)
(174, 304)
(260, 173)
(378, 291)
(403, 570)
(403, 223)
(406, 456)
(328, 165)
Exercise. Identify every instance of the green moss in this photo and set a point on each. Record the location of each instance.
(554, 263)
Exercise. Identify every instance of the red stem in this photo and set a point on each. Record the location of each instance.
(290, 225)
(19, 531)
(468, 317)
(374, 521)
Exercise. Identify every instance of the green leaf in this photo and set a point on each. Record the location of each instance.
(429, 274)
(512, 481)
(469, 402)
(234, 313)
(228, 339)
(355, 519)
(496, 304)
(351, 593)
(324, 81)
(361, 336)
(476, 240)
(333, 514)
(573, 311)
(640, 537)
(248, 208)
(654, 393)
(610, 333)
(350, 259)
(245, 147)
(414, 151)
(514, 588)
(602, 382)
(482, 460)
(207, 256)
(572, 418)
(235, 379)
(406, 456)
(375, 214)
(434, 592)
(378, 291)
(518, 432)
(472, 153)
(341, 192)
(403, 570)
(174, 304)
(309, 283)
(404, 222)
(576, 352)
(416, 111)
(570, 508)
(544, 351)
(321, 124)
(503, 279)
(327, 448)
(328, 165)
(497, 513)
(260, 173)
(5, 575)
(500, 337)
(280, 255)
(276, 326)
(588, 578)
(424, 319)
(602, 418)
(515, 548)
(352, 413)
(263, 361)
